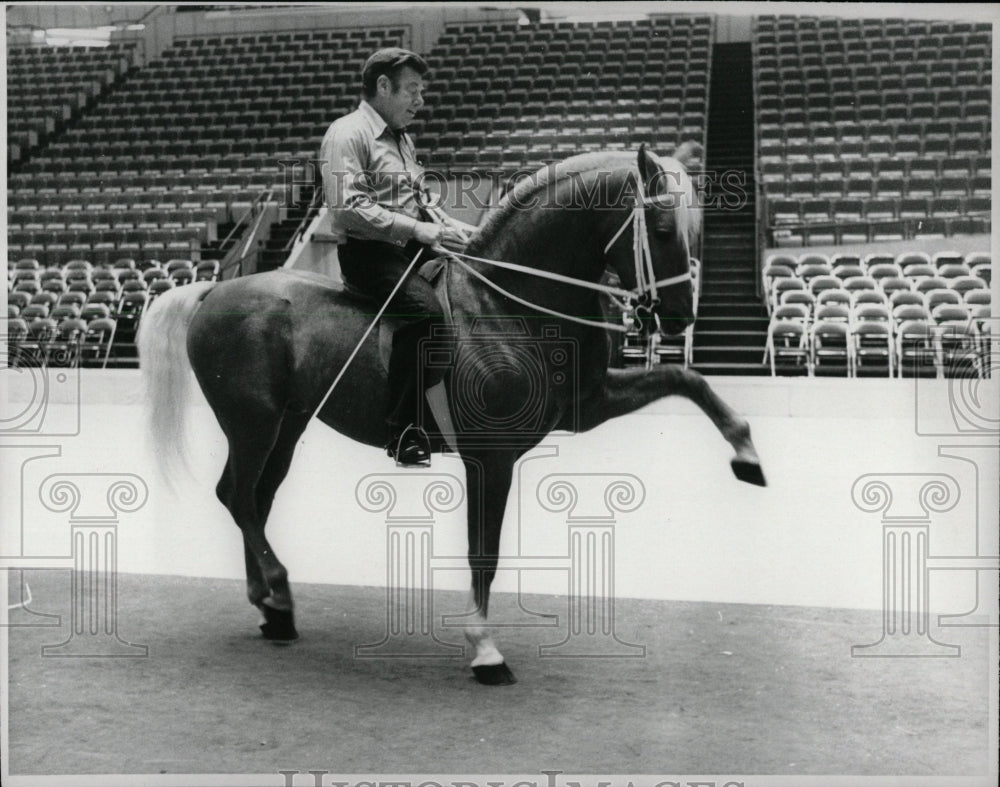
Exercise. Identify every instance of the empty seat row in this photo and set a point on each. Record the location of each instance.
(802, 168)
(796, 210)
(949, 341)
(874, 303)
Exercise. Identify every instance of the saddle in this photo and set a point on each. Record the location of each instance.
(430, 270)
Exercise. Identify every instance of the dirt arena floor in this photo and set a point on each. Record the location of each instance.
(722, 688)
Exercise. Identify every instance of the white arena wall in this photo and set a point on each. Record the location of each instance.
(699, 534)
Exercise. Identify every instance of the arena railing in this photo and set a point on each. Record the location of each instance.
(241, 238)
(303, 225)
(842, 232)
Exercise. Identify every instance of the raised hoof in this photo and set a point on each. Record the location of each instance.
(494, 675)
(749, 472)
(279, 624)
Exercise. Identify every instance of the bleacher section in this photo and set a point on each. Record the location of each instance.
(511, 97)
(120, 205)
(48, 87)
(872, 129)
(126, 181)
(911, 313)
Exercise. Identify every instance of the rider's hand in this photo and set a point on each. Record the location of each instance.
(427, 233)
(452, 240)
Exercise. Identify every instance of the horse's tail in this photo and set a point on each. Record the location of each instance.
(166, 371)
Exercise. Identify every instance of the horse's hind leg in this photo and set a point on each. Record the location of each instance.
(257, 589)
(277, 624)
(259, 457)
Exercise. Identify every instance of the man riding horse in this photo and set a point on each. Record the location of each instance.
(370, 181)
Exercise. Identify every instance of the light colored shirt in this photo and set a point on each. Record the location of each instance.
(368, 177)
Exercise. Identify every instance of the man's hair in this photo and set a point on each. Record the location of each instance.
(390, 62)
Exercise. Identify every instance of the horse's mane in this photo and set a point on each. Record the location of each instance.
(528, 188)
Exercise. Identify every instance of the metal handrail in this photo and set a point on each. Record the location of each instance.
(303, 225)
(834, 223)
(238, 260)
(246, 214)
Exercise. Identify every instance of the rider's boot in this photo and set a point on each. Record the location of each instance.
(410, 446)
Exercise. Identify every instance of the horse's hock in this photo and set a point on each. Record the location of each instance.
(590, 504)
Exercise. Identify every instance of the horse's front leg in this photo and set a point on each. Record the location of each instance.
(488, 476)
(626, 390)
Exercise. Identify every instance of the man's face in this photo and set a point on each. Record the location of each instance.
(400, 106)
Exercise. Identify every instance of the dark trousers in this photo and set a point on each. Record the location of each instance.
(374, 268)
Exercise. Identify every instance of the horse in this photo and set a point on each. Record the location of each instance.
(265, 347)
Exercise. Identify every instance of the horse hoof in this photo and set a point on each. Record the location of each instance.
(279, 624)
(749, 472)
(494, 675)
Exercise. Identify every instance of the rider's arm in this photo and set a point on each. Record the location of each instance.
(350, 192)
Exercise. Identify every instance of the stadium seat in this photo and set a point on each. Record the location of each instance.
(786, 336)
(97, 341)
(781, 285)
(809, 266)
(824, 282)
(830, 346)
(937, 297)
(977, 297)
(865, 297)
(872, 345)
(950, 270)
(904, 296)
(833, 297)
(963, 284)
(882, 270)
(915, 345)
(845, 270)
(982, 270)
(927, 283)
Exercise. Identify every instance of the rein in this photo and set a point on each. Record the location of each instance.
(643, 296)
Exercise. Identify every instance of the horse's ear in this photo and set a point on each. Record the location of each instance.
(689, 153)
(649, 170)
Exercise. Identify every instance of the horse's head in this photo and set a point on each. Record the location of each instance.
(666, 222)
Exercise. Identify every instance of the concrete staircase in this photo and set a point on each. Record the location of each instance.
(731, 328)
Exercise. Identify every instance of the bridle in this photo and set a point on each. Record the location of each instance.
(647, 286)
(637, 303)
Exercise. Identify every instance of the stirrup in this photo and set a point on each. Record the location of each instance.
(413, 448)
